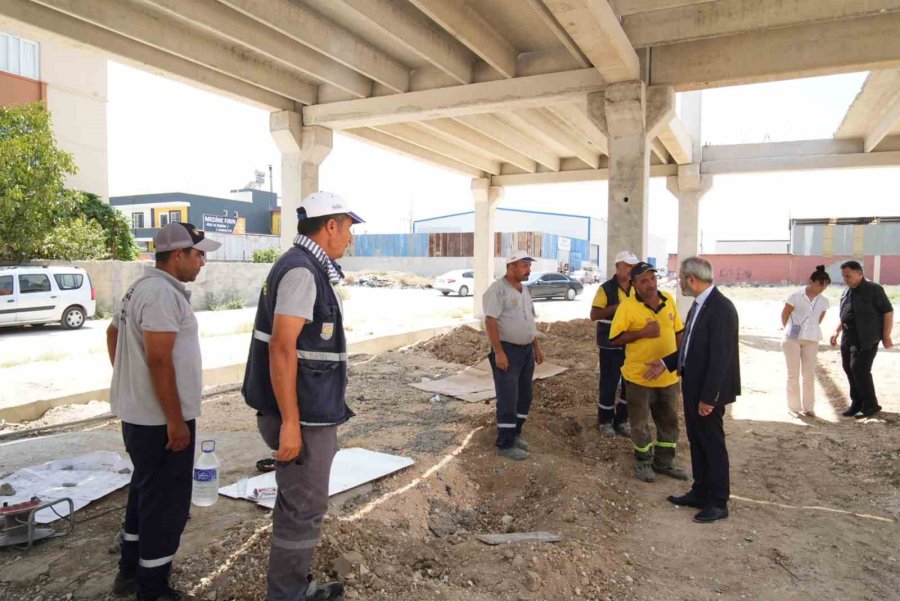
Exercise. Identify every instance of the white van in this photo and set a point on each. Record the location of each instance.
(46, 294)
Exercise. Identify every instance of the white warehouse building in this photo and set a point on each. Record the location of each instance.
(578, 227)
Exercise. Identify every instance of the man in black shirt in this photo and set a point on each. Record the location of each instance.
(867, 318)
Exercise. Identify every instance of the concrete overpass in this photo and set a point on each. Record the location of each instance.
(513, 92)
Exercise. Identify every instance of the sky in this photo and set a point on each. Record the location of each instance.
(165, 136)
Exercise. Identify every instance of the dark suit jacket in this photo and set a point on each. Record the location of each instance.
(712, 371)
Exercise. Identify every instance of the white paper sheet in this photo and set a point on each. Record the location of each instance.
(351, 468)
(84, 479)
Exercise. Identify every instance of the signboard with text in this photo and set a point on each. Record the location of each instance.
(219, 223)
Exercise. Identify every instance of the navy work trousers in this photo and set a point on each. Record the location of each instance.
(514, 392)
(159, 502)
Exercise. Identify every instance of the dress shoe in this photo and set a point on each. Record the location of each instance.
(850, 411)
(868, 412)
(711, 514)
(688, 500)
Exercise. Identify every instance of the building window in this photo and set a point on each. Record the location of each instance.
(174, 216)
(163, 220)
(20, 57)
(137, 220)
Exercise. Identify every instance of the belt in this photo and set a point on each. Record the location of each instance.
(515, 345)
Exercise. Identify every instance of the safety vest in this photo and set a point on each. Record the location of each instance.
(611, 288)
(321, 349)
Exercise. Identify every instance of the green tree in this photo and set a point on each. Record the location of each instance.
(117, 237)
(80, 239)
(33, 202)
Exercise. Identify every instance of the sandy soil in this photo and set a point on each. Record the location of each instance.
(813, 516)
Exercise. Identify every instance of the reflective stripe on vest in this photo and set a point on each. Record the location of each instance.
(309, 355)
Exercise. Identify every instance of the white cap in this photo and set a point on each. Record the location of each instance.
(318, 204)
(626, 256)
(519, 255)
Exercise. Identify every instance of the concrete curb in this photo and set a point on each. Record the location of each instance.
(227, 374)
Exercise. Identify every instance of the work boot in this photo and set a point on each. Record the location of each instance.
(521, 443)
(123, 585)
(624, 429)
(330, 591)
(173, 595)
(607, 430)
(671, 471)
(514, 453)
(644, 471)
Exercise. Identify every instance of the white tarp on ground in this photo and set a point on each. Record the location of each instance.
(84, 479)
(351, 468)
(476, 383)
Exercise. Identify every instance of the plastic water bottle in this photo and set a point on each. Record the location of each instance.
(206, 476)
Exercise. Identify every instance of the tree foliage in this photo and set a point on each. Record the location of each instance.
(32, 173)
(39, 218)
(117, 237)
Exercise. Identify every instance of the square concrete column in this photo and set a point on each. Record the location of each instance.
(303, 149)
(620, 111)
(486, 198)
(688, 187)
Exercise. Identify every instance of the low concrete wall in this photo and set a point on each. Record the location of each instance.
(429, 266)
(111, 280)
(228, 374)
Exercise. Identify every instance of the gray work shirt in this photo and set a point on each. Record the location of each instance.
(513, 311)
(296, 294)
(156, 302)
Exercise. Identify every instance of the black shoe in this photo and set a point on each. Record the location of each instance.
(330, 591)
(850, 411)
(688, 500)
(123, 585)
(711, 514)
(868, 412)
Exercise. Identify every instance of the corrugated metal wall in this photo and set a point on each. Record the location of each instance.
(846, 239)
(463, 245)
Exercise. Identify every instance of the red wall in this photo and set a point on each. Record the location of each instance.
(20, 90)
(786, 269)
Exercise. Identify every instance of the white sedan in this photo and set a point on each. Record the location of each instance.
(458, 281)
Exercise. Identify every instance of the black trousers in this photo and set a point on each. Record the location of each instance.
(611, 409)
(857, 365)
(709, 457)
(159, 501)
(514, 391)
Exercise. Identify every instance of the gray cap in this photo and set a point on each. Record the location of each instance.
(183, 235)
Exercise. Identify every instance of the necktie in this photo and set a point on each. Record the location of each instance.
(682, 352)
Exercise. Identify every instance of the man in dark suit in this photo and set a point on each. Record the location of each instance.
(710, 379)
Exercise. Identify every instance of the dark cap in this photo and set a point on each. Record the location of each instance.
(640, 269)
(177, 235)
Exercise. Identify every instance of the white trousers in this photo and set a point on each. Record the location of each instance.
(800, 356)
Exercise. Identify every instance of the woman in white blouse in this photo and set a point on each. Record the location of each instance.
(802, 314)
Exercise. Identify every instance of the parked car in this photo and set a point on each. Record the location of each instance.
(547, 284)
(40, 295)
(585, 277)
(458, 281)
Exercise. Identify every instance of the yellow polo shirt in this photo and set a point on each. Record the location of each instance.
(632, 316)
(601, 301)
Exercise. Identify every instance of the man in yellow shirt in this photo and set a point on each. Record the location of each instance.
(649, 327)
(612, 412)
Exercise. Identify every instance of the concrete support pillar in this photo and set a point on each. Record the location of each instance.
(303, 149)
(486, 198)
(688, 187)
(621, 111)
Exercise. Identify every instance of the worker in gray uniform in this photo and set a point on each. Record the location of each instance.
(511, 331)
(296, 379)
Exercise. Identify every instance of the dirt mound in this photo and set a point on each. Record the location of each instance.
(582, 330)
(464, 345)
